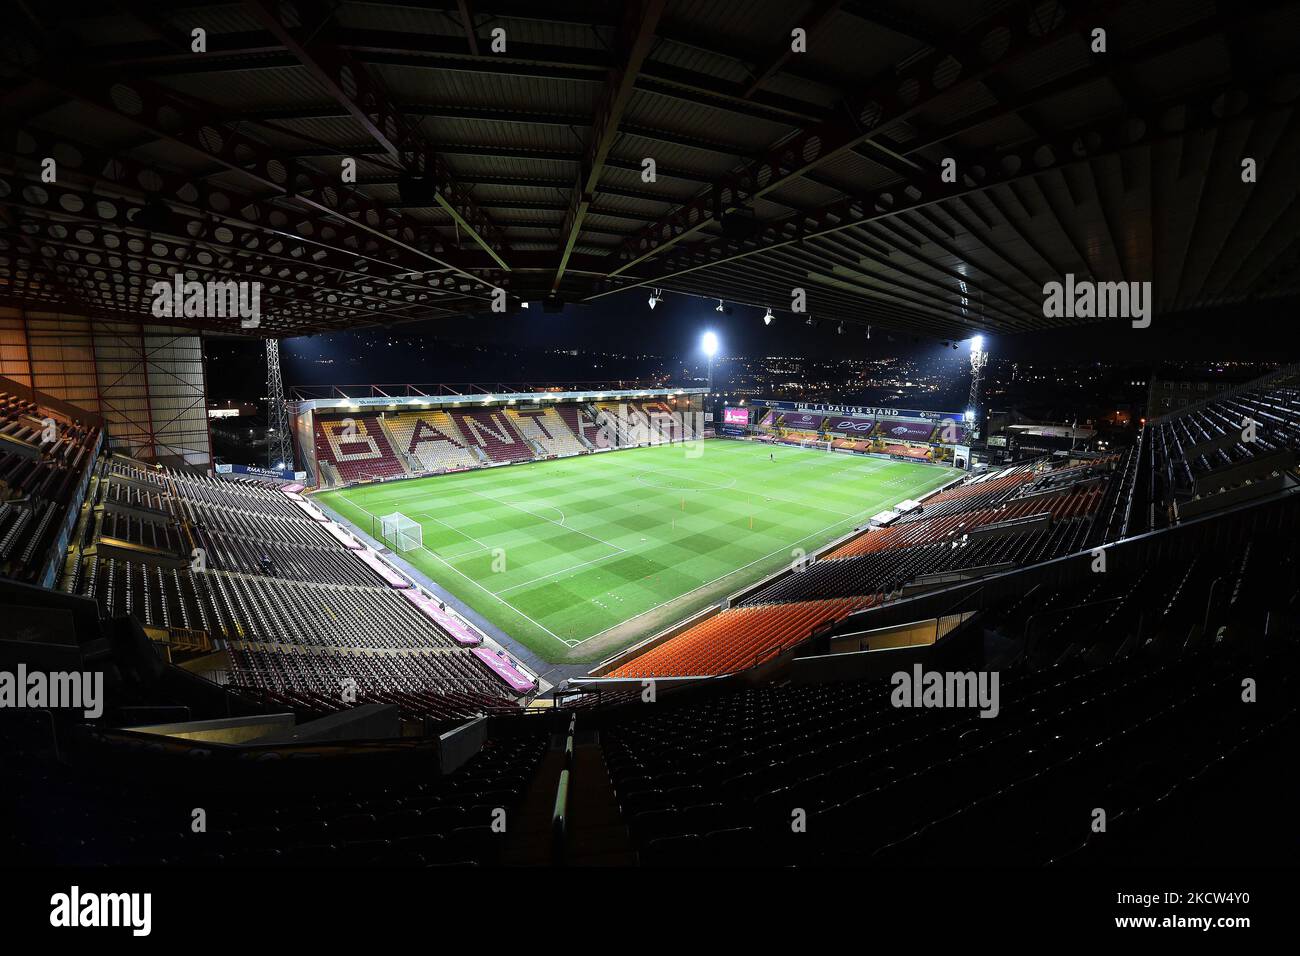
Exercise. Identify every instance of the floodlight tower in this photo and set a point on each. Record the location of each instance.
(280, 446)
(979, 357)
(709, 343)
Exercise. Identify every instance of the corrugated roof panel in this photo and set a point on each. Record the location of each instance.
(529, 136)
(803, 192)
(1191, 67)
(626, 226)
(1273, 40)
(747, 25)
(944, 112)
(426, 86)
(1008, 130)
(539, 217)
(533, 231)
(705, 161)
(708, 124)
(638, 208)
(766, 209)
(1068, 54)
(958, 16)
(669, 190)
(492, 193)
(429, 215)
(216, 18)
(343, 130)
(469, 167)
(280, 88)
(70, 119)
(399, 17)
(1081, 105)
(723, 68)
(855, 172)
(1135, 24)
(826, 95)
(367, 168)
(383, 193)
(98, 32)
(859, 49)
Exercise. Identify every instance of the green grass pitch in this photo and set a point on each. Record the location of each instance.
(579, 557)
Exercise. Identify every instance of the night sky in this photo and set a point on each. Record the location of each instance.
(624, 323)
(522, 346)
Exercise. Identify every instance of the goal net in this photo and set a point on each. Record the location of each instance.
(401, 533)
(816, 444)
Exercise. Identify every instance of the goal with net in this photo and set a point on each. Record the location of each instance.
(816, 444)
(401, 533)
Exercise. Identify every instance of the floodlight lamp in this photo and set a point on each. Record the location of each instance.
(709, 343)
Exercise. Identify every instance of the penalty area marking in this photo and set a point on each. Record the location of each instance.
(463, 534)
(456, 570)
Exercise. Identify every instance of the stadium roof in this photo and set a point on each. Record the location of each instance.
(774, 169)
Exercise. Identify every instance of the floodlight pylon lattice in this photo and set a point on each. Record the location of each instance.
(280, 444)
(979, 358)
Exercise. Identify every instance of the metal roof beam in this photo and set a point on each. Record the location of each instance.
(270, 224)
(887, 99)
(467, 20)
(298, 26)
(189, 122)
(811, 22)
(635, 37)
(1155, 122)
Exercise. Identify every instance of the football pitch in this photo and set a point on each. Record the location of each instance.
(579, 557)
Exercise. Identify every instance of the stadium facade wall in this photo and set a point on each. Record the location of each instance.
(145, 381)
(470, 424)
